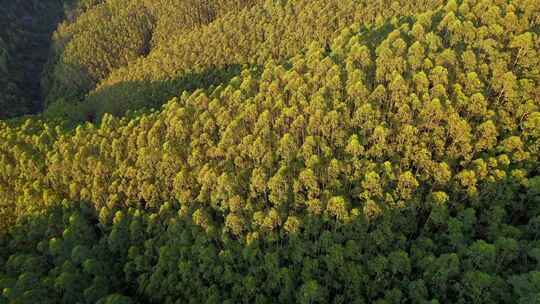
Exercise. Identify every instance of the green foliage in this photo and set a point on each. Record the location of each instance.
(101, 36)
(25, 27)
(61, 256)
(57, 257)
(89, 51)
(397, 163)
(270, 30)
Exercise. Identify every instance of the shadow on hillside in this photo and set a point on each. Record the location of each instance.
(136, 248)
(26, 27)
(137, 96)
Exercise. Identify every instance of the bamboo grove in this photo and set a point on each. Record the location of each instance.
(351, 159)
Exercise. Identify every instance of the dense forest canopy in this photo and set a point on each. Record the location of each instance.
(278, 151)
(113, 33)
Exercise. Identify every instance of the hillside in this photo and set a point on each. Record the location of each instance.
(197, 54)
(110, 34)
(280, 152)
(214, 53)
(25, 30)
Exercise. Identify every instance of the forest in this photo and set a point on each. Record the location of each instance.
(261, 151)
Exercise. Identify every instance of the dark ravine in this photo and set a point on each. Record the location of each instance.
(26, 28)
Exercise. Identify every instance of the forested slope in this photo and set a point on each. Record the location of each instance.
(109, 34)
(398, 163)
(189, 45)
(214, 53)
(25, 29)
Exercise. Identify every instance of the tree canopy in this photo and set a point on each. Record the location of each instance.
(332, 155)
